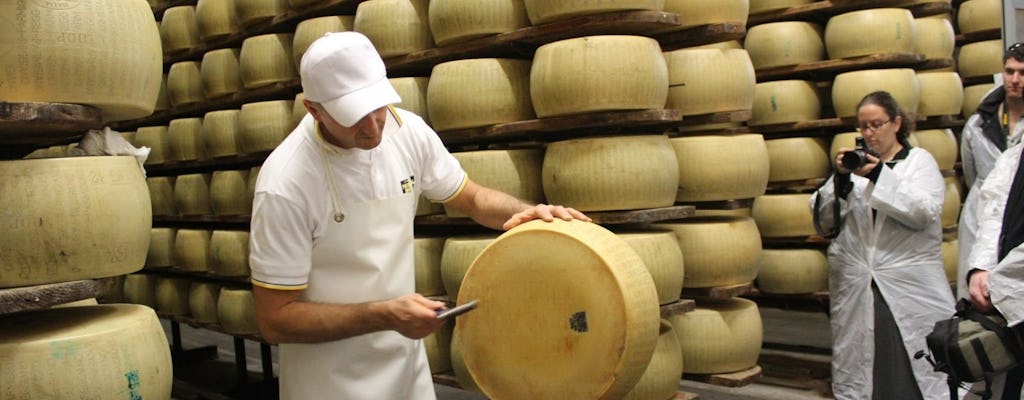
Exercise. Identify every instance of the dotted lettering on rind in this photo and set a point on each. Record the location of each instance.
(578, 322)
(58, 4)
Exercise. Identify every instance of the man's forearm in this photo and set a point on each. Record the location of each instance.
(309, 322)
(495, 207)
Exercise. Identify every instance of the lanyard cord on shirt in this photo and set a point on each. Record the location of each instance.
(339, 214)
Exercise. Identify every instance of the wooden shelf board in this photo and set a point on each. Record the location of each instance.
(929, 9)
(978, 36)
(599, 217)
(27, 126)
(798, 186)
(209, 326)
(701, 35)
(941, 122)
(977, 80)
(243, 161)
(721, 205)
(207, 276)
(678, 307)
(719, 292)
(820, 70)
(813, 239)
(826, 127)
(228, 222)
(44, 296)
(733, 379)
(821, 11)
(615, 120)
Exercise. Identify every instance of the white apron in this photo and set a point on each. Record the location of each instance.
(366, 257)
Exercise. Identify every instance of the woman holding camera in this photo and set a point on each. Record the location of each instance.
(887, 282)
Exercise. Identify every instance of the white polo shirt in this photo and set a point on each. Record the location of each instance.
(293, 200)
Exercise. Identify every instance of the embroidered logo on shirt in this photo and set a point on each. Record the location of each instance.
(408, 185)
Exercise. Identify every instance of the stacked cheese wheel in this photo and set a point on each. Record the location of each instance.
(427, 253)
(718, 251)
(161, 248)
(229, 253)
(395, 27)
(720, 336)
(516, 172)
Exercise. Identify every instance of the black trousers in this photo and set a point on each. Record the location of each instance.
(893, 376)
(1014, 381)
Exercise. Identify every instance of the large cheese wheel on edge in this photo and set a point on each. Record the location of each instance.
(413, 91)
(871, 31)
(783, 215)
(427, 253)
(941, 144)
(263, 125)
(229, 253)
(456, 258)
(718, 251)
(705, 81)
(172, 295)
(192, 249)
(266, 59)
(439, 347)
(942, 93)
(622, 73)
(661, 378)
(455, 21)
(783, 102)
(543, 11)
(592, 307)
(849, 88)
(236, 311)
(789, 271)
(202, 301)
(395, 27)
(719, 336)
(973, 95)
(664, 261)
(75, 218)
(980, 58)
(800, 158)
(312, 29)
(934, 37)
(112, 351)
(516, 172)
(780, 44)
(462, 375)
(105, 54)
(611, 173)
(479, 92)
(216, 19)
(721, 167)
(980, 15)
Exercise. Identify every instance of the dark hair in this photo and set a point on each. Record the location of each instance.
(892, 108)
(1015, 51)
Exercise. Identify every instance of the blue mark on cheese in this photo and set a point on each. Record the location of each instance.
(133, 385)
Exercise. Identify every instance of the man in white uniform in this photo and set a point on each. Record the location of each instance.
(331, 233)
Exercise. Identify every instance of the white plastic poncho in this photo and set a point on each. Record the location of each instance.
(900, 250)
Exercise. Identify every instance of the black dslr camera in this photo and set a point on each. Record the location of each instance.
(857, 158)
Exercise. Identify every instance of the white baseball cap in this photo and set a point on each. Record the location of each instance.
(343, 72)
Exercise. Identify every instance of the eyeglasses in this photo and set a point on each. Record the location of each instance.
(873, 125)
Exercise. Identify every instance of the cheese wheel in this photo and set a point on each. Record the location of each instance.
(266, 59)
(161, 248)
(178, 29)
(192, 194)
(426, 207)
(623, 73)
(783, 215)
(395, 27)
(973, 95)
(413, 91)
(697, 12)
(161, 195)
(263, 125)
(219, 73)
(781, 44)
(950, 256)
(980, 58)
(544, 11)
(229, 253)
(462, 375)
(439, 348)
(251, 12)
(871, 31)
(105, 54)
(228, 195)
(516, 172)
(202, 301)
(129, 136)
(299, 108)
(427, 257)
(611, 173)
(74, 218)
(456, 257)
(783, 102)
(236, 311)
(719, 336)
(800, 158)
(77, 303)
(192, 249)
(941, 93)
(184, 140)
(763, 6)
(154, 137)
(789, 271)
(980, 15)
(216, 19)
(664, 261)
(709, 80)
(254, 173)
(220, 133)
(479, 92)
(455, 21)
(728, 44)
(941, 144)
(733, 213)
(312, 29)
(162, 100)
(934, 37)
(172, 296)
(112, 351)
(661, 378)
(849, 88)
(718, 251)
(185, 84)
(841, 140)
(140, 289)
(721, 167)
(594, 281)
(951, 206)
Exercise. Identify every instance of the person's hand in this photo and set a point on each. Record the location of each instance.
(545, 212)
(862, 171)
(413, 315)
(978, 290)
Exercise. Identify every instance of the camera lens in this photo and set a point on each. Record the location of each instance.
(854, 159)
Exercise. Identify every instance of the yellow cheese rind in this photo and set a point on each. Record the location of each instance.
(979, 15)
(202, 301)
(251, 12)
(841, 140)
(478, 92)
(228, 195)
(219, 73)
(178, 29)
(697, 12)
(263, 125)
(661, 378)
(236, 311)
(161, 195)
(77, 52)
(457, 256)
(266, 59)
(312, 29)
(611, 173)
(192, 194)
(703, 81)
(299, 108)
(942, 93)
(185, 84)
(154, 137)
(427, 259)
(172, 295)
(161, 248)
(980, 58)
(111, 351)
(941, 144)
(721, 167)
(950, 255)
(462, 375)
(763, 6)
(216, 19)
(973, 95)
(192, 250)
(544, 11)
(594, 281)
(184, 140)
(455, 21)
(664, 261)
(413, 91)
(140, 289)
(516, 172)
(951, 206)
(783, 215)
(871, 31)
(934, 37)
(791, 271)
(849, 88)
(621, 73)
(67, 219)
(786, 101)
(719, 336)
(780, 44)
(718, 251)
(229, 253)
(395, 27)
(792, 159)
(439, 348)
(220, 133)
